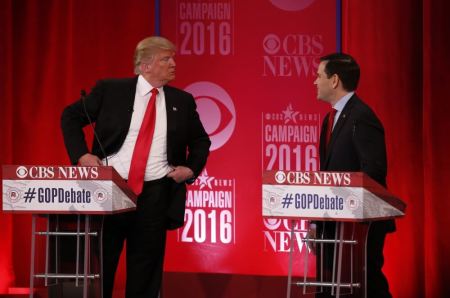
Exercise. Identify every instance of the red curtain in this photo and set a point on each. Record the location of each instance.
(402, 47)
(6, 116)
(49, 50)
(436, 64)
(385, 38)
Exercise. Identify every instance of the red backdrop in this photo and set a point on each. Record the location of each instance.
(49, 50)
(253, 85)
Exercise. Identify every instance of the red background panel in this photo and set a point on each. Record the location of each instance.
(49, 50)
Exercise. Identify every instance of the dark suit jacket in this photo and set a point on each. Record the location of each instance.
(356, 144)
(110, 106)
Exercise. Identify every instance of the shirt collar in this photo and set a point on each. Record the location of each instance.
(143, 87)
(340, 104)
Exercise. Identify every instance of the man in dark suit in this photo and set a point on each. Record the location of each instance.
(177, 153)
(353, 141)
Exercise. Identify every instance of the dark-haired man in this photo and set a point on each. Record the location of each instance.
(352, 139)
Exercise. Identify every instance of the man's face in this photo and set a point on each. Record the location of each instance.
(323, 83)
(162, 67)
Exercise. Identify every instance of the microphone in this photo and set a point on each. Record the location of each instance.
(83, 99)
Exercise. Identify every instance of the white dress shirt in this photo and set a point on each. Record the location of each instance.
(157, 165)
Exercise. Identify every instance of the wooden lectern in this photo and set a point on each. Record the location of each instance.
(54, 192)
(350, 201)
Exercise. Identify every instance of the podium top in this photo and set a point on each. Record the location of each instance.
(343, 196)
(65, 189)
(58, 172)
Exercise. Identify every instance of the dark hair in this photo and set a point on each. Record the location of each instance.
(345, 67)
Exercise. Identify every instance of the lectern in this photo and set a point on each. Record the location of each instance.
(55, 191)
(351, 201)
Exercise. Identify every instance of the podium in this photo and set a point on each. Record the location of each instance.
(351, 202)
(54, 192)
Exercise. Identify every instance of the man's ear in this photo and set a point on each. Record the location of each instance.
(335, 81)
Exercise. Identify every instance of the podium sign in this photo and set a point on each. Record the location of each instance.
(65, 189)
(352, 200)
(337, 196)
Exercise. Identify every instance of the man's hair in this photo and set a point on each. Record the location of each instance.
(148, 47)
(345, 67)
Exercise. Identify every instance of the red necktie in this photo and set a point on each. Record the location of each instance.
(330, 125)
(142, 147)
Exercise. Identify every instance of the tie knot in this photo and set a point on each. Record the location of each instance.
(331, 117)
(154, 91)
(330, 125)
(333, 111)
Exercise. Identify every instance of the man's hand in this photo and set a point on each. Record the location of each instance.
(89, 160)
(181, 174)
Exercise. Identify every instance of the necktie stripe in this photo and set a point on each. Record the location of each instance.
(330, 123)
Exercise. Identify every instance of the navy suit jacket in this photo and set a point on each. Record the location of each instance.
(110, 107)
(357, 143)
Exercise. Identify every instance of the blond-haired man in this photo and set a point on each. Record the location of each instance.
(119, 107)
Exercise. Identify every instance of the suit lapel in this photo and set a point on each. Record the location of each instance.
(129, 96)
(171, 108)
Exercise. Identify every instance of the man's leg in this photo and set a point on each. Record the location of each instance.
(377, 285)
(114, 231)
(147, 240)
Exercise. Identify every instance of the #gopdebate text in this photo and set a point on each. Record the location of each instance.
(57, 195)
(312, 201)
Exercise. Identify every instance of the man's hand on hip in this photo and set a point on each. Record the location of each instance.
(181, 174)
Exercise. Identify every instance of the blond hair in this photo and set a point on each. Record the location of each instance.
(148, 47)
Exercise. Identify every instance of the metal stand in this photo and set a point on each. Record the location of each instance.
(347, 275)
(52, 269)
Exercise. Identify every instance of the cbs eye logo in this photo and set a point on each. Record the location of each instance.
(216, 110)
(280, 177)
(271, 44)
(272, 223)
(21, 172)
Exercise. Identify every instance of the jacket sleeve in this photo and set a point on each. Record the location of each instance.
(76, 116)
(198, 142)
(369, 142)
